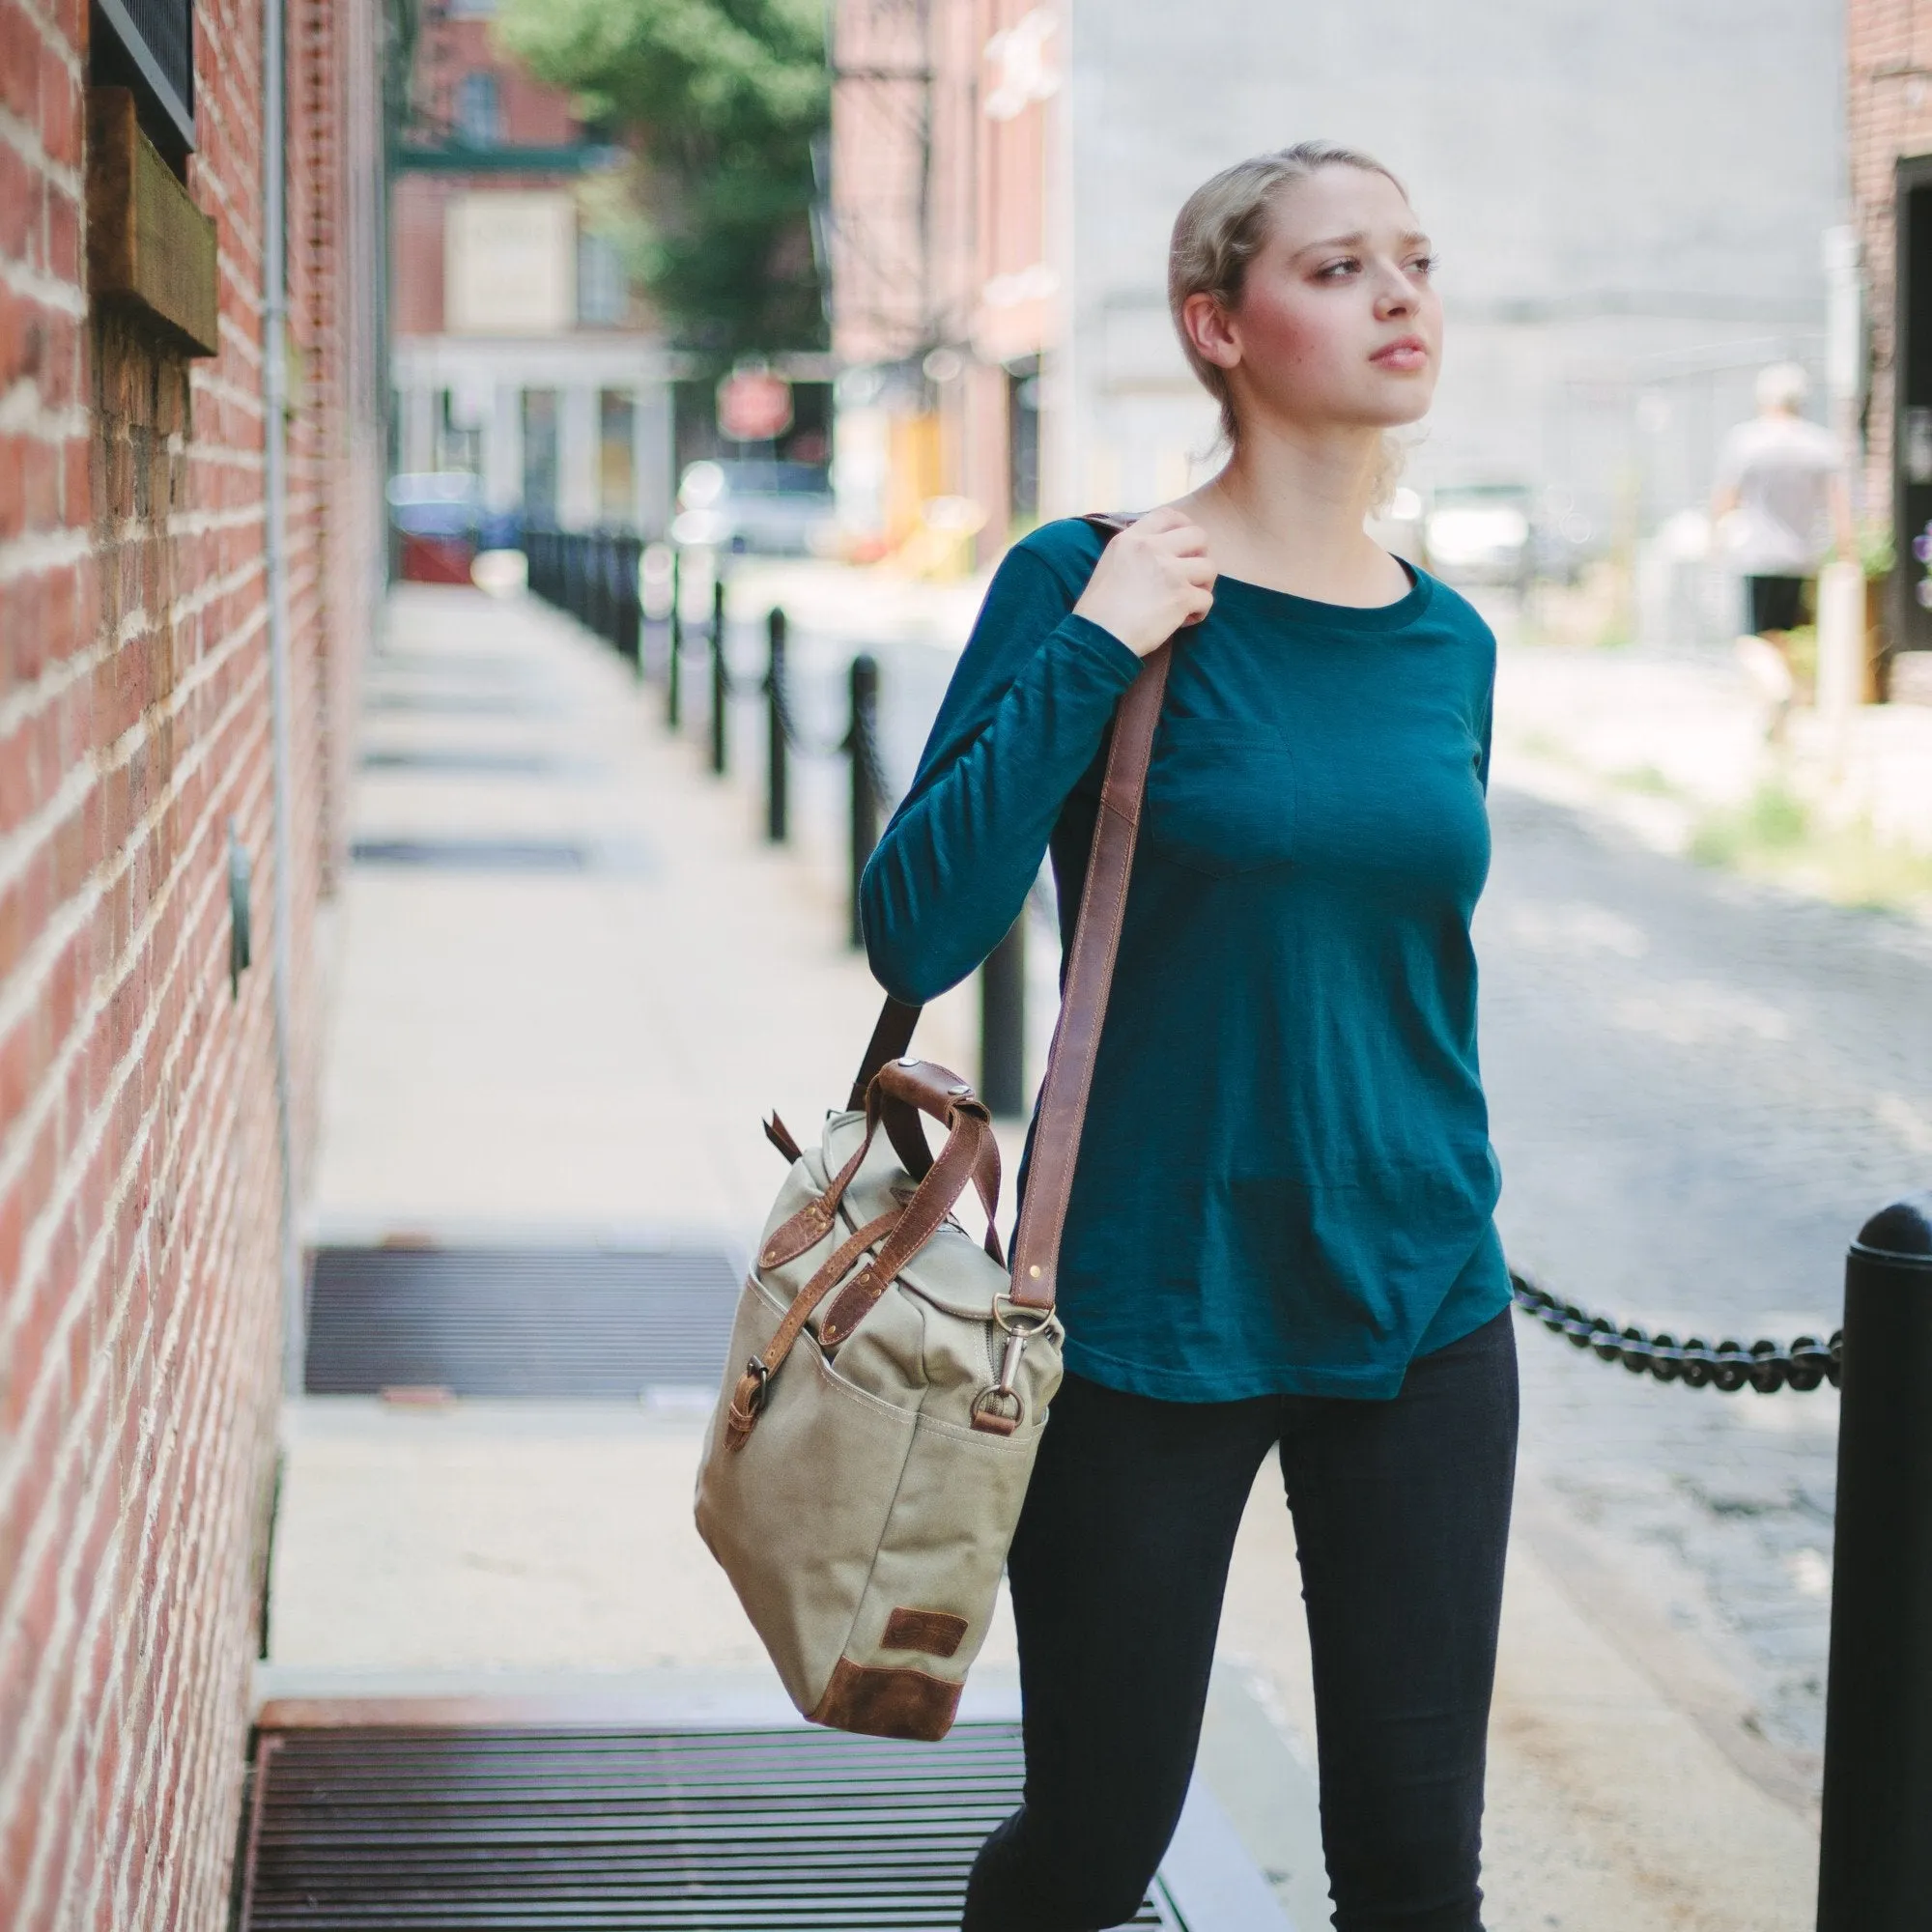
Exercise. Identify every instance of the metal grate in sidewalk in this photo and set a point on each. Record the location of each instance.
(747, 1830)
(505, 855)
(583, 1324)
(454, 703)
(462, 761)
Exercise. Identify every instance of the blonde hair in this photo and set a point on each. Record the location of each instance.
(1783, 386)
(1219, 231)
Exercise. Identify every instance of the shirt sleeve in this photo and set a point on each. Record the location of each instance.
(1022, 720)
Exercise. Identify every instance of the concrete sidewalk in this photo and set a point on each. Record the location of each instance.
(586, 1057)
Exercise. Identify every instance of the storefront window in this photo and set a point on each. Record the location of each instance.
(616, 456)
(540, 456)
(601, 292)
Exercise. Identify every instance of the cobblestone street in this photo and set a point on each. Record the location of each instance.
(1700, 1089)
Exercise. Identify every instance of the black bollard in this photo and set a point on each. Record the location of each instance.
(631, 601)
(1003, 1025)
(604, 561)
(777, 776)
(862, 745)
(1875, 1854)
(721, 682)
(675, 646)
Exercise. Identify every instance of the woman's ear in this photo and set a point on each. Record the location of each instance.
(1210, 329)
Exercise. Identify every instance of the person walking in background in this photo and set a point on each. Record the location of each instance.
(1280, 1233)
(1780, 507)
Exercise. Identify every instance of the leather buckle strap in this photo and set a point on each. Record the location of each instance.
(963, 1154)
(913, 1087)
(897, 1094)
(748, 1398)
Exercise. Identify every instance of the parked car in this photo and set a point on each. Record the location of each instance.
(784, 508)
(435, 516)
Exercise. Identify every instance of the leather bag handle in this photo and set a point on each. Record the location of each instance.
(1090, 975)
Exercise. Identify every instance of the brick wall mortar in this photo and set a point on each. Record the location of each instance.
(139, 1191)
(92, 1135)
(18, 994)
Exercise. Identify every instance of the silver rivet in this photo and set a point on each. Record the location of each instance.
(1033, 1271)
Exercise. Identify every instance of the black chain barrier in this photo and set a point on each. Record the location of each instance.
(779, 689)
(863, 745)
(1730, 1366)
(860, 736)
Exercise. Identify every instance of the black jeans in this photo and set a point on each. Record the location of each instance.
(1401, 1513)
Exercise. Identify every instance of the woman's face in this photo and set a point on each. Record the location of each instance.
(1338, 321)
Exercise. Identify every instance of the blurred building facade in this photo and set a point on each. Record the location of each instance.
(947, 289)
(178, 650)
(1631, 206)
(520, 353)
(1889, 98)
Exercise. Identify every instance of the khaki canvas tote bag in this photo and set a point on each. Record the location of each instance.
(889, 1376)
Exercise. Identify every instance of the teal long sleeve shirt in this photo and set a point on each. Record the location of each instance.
(1285, 1183)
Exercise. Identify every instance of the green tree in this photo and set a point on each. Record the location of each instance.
(725, 98)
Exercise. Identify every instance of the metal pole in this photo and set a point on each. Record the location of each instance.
(1875, 1854)
(775, 775)
(865, 800)
(674, 645)
(1003, 1024)
(721, 681)
(281, 686)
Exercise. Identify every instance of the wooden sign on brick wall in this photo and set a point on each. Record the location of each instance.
(148, 245)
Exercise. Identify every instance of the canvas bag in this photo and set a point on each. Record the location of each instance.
(889, 1376)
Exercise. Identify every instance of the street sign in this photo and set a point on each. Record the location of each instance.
(754, 406)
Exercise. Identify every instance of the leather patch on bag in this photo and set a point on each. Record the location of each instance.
(937, 1633)
(887, 1703)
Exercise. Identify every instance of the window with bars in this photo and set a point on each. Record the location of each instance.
(148, 47)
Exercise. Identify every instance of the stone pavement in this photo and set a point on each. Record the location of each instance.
(587, 1056)
(1700, 1089)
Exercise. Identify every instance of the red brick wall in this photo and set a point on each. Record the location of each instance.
(533, 115)
(140, 1299)
(1889, 69)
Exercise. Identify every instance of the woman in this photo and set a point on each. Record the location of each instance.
(1279, 1233)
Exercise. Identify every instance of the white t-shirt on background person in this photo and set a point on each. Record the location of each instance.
(1781, 468)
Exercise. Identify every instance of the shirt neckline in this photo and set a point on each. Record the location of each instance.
(1340, 617)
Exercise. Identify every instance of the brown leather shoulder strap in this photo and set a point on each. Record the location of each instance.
(1090, 977)
(1090, 974)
